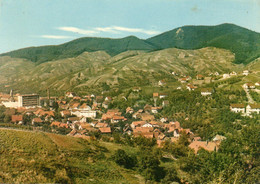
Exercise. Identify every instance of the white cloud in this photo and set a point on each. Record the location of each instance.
(55, 37)
(78, 30)
(135, 30)
(106, 29)
(111, 29)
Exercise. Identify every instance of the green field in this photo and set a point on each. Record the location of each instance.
(36, 157)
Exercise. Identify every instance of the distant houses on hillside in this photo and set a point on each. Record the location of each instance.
(245, 110)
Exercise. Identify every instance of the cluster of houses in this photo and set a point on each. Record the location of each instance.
(88, 114)
(251, 85)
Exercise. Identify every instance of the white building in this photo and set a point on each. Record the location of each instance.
(147, 125)
(245, 72)
(233, 73)
(253, 108)
(226, 76)
(249, 85)
(206, 91)
(11, 104)
(87, 114)
(30, 100)
(237, 108)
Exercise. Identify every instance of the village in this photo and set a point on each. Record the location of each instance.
(90, 115)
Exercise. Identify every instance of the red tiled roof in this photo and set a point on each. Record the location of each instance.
(16, 118)
(105, 130)
(143, 129)
(37, 120)
(118, 117)
(55, 123)
(209, 146)
(138, 123)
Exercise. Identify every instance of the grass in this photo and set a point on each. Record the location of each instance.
(37, 157)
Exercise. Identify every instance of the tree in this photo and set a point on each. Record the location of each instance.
(149, 166)
(123, 159)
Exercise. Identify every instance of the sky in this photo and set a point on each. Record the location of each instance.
(25, 23)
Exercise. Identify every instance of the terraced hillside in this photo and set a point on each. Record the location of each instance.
(128, 69)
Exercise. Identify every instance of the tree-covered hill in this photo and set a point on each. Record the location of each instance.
(243, 42)
(78, 46)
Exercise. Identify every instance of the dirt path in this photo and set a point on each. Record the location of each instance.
(250, 99)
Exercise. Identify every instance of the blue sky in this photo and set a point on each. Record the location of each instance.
(25, 23)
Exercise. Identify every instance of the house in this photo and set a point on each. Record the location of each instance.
(147, 107)
(191, 87)
(209, 146)
(136, 89)
(17, 119)
(105, 104)
(226, 76)
(206, 91)
(65, 113)
(36, 120)
(106, 117)
(216, 74)
(253, 108)
(155, 95)
(245, 72)
(257, 84)
(249, 85)
(154, 110)
(84, 126)
(147, 125)
(148, 135)
(85, 113)
(70, 94)
(179, 88)
(156, 124)
(237, 108)
(73, 119)
(219, 138)
(207, 80)
(108, 98)
(161, 83)
(55, 123)
(135, 124)
(147, 117)
(84, 107)
(165, 103)
(143, 129)
(101, 125)
(105, 130)
(129, 110)
(116, 119)
(183, 80)
(63, 125)
(127, 129)
(199, 77)
(233, 73)
(162, 95)
(164, 119)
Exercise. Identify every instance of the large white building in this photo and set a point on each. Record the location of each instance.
(30, 100)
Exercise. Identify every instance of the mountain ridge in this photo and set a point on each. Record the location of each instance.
(241, 41)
